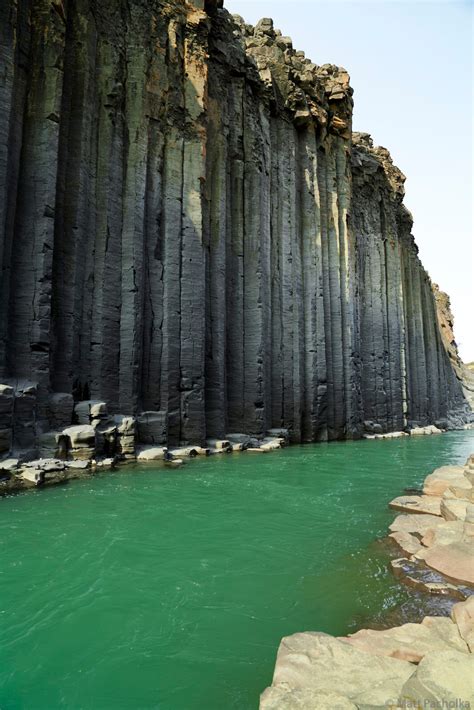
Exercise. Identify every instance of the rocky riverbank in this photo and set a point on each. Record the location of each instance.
(429, 664)
(88, 439)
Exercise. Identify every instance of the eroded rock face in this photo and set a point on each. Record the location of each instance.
(464, 372)
(189, 228)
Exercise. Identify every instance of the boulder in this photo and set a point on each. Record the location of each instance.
(81, 436)
(417, 504)
(463, 490)
(219, 444)
(406, 541)
(321, 663)
(425, 430)
(271, 444)
(151, 453)
(437, 482)
(455, 560)
(126, 426)
(453, 508)
(442, 677)
(81, 441)
(125, 445)
(90, 409)
(411, 642)
(463, 615)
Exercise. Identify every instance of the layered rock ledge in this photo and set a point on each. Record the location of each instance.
(190, 232)
(430, 664)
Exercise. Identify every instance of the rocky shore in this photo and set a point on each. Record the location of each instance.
(87, 438)
(416, 665)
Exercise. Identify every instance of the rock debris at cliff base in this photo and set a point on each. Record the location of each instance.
(189, 229)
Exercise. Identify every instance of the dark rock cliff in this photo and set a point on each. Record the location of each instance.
(188, 226)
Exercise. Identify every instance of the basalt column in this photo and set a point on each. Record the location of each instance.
(189, 228)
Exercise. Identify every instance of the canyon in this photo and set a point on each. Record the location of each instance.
(191, 233)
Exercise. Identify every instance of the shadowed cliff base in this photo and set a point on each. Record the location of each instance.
(188, 228)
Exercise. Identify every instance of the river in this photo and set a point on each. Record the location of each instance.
(171, 588)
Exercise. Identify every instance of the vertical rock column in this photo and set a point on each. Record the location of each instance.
(315, 385)
(14, 48)
(256, 140)
(339, 276)
(100, 345)
(156, 88)
(193, 259)
(32, 259)
(74, 207)
(347, 277)
(218, 178)
(133, 253)
(171, 228)
(235, 283)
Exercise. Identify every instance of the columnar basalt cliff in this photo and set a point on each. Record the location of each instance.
(188, 227)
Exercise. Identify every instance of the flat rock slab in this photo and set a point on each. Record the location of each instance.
(321, 663)
(455, 560)
(463, 615)
(9, 464)
(417, 504)
(153, 453)
(441, 678)
(81, 435)
(411, 642)
(453, 508)
(407, 542)
(415, 523)
(437, 482)
(463, 492)
(281, 698)
(447, 532)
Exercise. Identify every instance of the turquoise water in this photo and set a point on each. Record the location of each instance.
(171, 589)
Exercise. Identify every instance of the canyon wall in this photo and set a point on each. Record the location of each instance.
(189, 227)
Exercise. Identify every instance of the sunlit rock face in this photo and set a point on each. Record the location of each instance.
(189, 227)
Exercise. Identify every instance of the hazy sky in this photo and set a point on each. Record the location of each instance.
(411, 66)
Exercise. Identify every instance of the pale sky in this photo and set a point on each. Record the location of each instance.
(411, 66)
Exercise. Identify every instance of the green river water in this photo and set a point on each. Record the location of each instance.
(171, 589)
